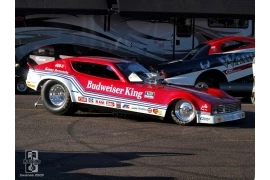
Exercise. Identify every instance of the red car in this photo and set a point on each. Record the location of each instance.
(126, 87)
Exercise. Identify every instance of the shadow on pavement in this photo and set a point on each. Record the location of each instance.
(58, 165)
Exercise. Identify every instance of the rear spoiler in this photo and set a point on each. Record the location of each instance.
(34, 60)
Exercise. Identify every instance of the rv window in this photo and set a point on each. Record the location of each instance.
(183, 27)
(228, 23)
(164, 20)
(97, 70)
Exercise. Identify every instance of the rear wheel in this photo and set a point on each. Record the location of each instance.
(183, 112)
(56, 98)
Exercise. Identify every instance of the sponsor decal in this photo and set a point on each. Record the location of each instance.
(155, 111)
(82, 99)
(205, 65)
(149, 94)
(91, 100)
(204, 107)
(134, 108)
(110, 104)
(236, 69)
(219, 119)
(30, 85)
(142, 109)
(236, 60)
(59, 65)
(128, 91)
(149, 110)
(126, 106)
(56, 70)
(204, 118)
(118, 105)
(100, 102)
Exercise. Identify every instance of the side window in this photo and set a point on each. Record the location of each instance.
(228, 23)
(231, 45)
(183, 27)
(97, 70)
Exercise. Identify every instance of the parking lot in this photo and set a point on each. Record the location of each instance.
(100, 146)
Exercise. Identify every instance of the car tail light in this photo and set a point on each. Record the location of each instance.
(162, 73)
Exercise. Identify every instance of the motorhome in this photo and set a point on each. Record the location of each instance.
(148, 40)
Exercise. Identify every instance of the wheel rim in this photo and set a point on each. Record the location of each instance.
(184, 111)
(57, 95)
(21, 86)
(201, 85)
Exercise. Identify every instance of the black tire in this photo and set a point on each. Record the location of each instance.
(20, 86)
(177, 113)
(206, 83)
(64, 108)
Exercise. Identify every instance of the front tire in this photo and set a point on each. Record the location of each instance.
(20, 86)
(206, 83)
(183, 112)
(56, 98)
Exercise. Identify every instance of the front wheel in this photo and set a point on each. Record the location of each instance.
(56, 98)
(183, 112)
(20, 86)
(206, 83)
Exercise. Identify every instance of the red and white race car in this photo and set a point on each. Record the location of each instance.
(123, 86)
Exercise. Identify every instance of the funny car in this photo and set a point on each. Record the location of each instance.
(124, 86)
(222, 60)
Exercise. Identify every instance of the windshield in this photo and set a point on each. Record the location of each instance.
(197, 51)
(132, 69)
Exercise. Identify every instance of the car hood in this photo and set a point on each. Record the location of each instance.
(213, 96)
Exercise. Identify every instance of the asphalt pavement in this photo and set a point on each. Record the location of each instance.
(100, 146)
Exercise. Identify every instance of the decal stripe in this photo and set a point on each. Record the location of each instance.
(236, 69)
(83, 92)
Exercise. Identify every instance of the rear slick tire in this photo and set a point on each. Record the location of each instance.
(56, 98)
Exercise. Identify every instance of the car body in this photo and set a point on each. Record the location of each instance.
(222, 60)
(126, 87)
(20, 78)
(253, 89)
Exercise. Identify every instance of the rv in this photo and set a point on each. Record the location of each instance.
(148, 40)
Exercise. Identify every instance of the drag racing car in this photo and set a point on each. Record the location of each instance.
(20, 77)
(122, 86)
(221, 61)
